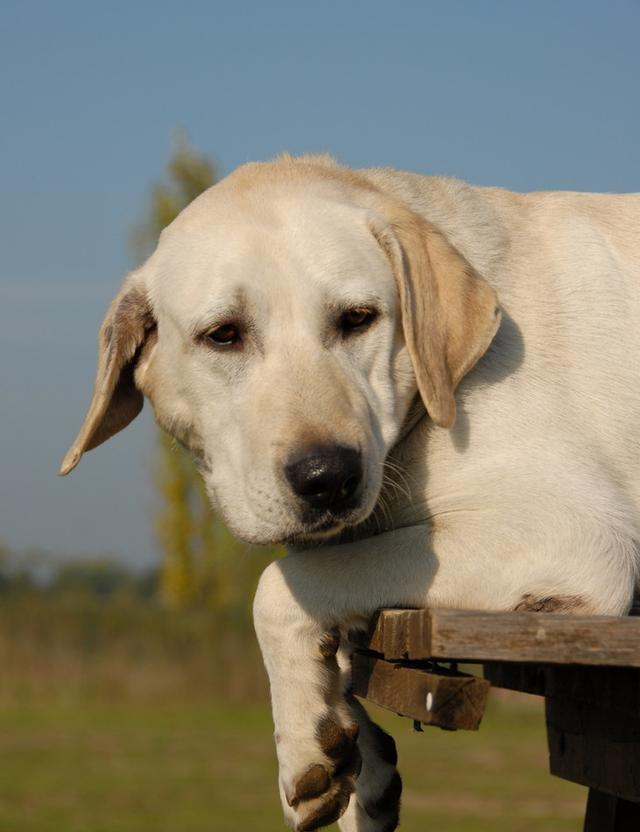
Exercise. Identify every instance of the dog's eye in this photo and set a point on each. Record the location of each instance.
(225, 336)
(357, 318)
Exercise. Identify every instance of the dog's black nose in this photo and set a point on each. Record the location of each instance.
(326, 477)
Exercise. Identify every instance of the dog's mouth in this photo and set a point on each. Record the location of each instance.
(322, 530)
(325, 527)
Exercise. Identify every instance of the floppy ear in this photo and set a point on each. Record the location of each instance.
(128, 325)
(449, 313)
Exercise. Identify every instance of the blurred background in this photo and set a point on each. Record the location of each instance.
(132, 696)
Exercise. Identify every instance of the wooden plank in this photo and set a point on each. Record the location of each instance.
(445, 699)
(606, 813)
(608, 688)
(463, 635)
(597, 747)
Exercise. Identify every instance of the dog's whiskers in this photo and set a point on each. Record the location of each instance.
(385, 512)
(395, 487)
(389, 468)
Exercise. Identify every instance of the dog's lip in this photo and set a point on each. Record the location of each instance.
(325, 525)
(328, 525)
(331, 525)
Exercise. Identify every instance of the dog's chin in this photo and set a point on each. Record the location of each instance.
(324, 532)
(296, 537)
(300, 529)
(328, 528)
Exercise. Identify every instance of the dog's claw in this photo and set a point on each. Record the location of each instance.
(325, 809)
(321, 795)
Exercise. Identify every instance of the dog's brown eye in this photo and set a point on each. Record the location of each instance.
(225, 336)
(357, 318)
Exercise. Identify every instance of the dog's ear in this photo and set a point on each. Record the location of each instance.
(449, 313)
(127, 329)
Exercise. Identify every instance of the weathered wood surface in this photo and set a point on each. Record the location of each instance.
(442, 698)
(515, 637)
(586, 667)
(615, 689)
(606, 813)
(597, 747)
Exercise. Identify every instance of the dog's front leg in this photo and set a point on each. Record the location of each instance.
(304, 606)
(375, 804)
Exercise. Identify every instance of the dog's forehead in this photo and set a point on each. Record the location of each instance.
(273, 216)
(267, 242)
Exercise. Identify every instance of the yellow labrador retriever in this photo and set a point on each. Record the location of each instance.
(309, 332)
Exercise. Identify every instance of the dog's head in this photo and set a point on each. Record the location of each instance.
(281, 330)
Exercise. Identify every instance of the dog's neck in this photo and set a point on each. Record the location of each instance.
(415, 414)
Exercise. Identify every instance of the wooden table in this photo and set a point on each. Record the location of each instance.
(586, 667)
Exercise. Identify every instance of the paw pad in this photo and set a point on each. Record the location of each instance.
(313, 782)
(328, 809)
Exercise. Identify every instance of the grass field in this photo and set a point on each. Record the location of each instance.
(124, 717)
(194, 767)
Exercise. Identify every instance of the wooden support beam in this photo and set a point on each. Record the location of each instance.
(439, 697)
(606, 813)
(586, 667)
(614, 689)
(598, 747)
(512, 636)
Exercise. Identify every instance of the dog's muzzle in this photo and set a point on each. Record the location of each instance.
(327, 479)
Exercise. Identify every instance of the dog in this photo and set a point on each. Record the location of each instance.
(429, 391)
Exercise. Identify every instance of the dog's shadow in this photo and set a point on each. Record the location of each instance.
(501, 360)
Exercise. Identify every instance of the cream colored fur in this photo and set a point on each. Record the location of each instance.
(531, 489)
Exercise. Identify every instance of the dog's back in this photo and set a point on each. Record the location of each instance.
(566, 267)
(548, 424)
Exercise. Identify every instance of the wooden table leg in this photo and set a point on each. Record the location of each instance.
(606, 813)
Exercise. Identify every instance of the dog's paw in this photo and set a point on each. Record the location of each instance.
(375, 805)
(383, 810)
(318, 794)
(316, 811)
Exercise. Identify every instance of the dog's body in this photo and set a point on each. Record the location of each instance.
(373, 287)
(548, 423)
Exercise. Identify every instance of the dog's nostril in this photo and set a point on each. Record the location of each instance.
(349, 486)
(325, 477)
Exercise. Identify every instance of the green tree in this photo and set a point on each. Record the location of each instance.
(202, 564)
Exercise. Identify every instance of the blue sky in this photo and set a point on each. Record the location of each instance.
(522, 95)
